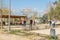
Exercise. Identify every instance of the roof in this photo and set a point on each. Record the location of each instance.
(13, 16)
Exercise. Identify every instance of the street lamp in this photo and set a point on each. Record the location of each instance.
(9, 16)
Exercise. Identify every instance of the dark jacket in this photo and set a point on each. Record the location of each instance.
(31, 21)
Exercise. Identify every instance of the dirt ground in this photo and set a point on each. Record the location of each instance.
(5, 36)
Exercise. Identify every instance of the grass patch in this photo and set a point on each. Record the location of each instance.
(50, 38)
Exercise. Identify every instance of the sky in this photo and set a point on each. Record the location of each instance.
(37, 5)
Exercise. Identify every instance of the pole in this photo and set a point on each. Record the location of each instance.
(9, 28)
(1, 4)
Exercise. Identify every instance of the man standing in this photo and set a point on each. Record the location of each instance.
(31, 22)
(24, 23)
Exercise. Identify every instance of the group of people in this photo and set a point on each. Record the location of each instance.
(24, 22)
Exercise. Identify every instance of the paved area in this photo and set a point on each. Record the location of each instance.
(46, 31)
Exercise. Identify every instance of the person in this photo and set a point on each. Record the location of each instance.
(53, 23)
(31, 22)
(20, 22)
(3, 23)
(24, 22)
(50, 22)
(34, 22)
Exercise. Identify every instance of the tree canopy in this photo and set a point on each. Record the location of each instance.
(55, 12)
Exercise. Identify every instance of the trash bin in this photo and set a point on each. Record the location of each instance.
(52, 33)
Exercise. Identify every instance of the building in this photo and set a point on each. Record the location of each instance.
(4, 15)
(13, 19)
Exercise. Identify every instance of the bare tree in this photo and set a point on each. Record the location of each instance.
(27, 11)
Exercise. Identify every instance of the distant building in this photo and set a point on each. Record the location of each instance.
(4, 14)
